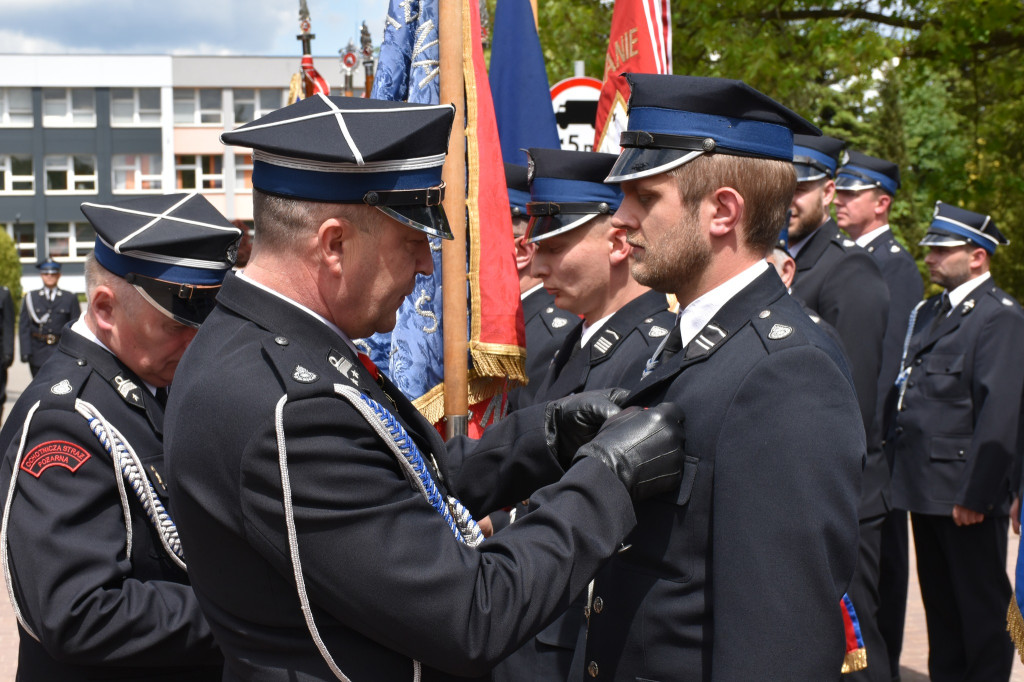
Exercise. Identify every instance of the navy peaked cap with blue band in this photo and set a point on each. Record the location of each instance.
(350, 150)
(518, 188)
(568, 189)
(954, 226)
(175, 248)
(47, 267)
(675, 119)
(861, 172)
(816, 157)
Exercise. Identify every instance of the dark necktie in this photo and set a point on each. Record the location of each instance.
(161, 396)
(944, 309)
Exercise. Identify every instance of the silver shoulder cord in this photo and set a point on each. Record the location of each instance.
(904, 375)
(126, 466)
(353, 396)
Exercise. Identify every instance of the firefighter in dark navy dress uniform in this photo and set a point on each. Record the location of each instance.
(842, 283)
(585, 261)
(737, 575)
(865, 190)
(954, 437)
(546, 324)
(320, 511)
(90, 553)
(44, 312)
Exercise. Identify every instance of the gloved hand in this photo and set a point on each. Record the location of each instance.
(644, 447)
(572, 421)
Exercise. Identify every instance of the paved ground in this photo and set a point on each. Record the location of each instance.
(914, 662)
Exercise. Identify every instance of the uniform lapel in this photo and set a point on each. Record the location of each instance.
(815, 246)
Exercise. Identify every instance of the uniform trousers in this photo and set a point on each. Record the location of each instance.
(864, 594)
(892, 586)
(965, 589)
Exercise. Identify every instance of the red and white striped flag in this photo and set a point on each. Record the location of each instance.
(641, 42)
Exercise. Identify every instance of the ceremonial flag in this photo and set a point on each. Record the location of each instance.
(408, 69)
(519, 83)
(640, 42)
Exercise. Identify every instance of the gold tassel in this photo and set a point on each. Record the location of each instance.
(1015, 626)
(855, 660)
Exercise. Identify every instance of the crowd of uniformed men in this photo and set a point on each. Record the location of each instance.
(716, 491)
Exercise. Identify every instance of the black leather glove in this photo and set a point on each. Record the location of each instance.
(572, 421)
(644, 447)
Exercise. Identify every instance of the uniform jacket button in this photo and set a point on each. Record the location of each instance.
(899, 430)
(592, 668)
(918, 361)
(910, 384)
(598, 605)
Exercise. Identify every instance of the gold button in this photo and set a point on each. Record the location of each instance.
(592, 668)
(598, 605)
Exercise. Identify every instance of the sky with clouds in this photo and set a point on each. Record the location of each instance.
(182, 27)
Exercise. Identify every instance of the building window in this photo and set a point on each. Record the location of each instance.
(250, 104)
(70, 241)
(16, 107)
(243, 173)
(69, 107)
(194, 107)
(24, 236)
(199, 172)
(134, 107)
(137, 173)
(73, 174)
(16, 175)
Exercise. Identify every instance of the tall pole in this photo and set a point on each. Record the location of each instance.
(453, 252)
(533, 5)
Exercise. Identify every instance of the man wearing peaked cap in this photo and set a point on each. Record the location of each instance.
(842, 283)
(954, 441)
(865, 189)
(546, 323)
(305, 477)
(617, 323)
(44, 312)
(737, 574)
(89, 547)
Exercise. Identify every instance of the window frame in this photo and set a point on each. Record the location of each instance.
(9, 178)
(198, 111)
(78, 249)
(138, 112)
(256, 101)
(70, 117)
(139, 178)
(72, 178)
(201, 177)
(6, 119)
(30, 246)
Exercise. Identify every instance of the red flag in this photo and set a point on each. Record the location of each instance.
(641, 42)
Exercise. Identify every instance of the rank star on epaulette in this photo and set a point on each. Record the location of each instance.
(344, 366)
(128, 390)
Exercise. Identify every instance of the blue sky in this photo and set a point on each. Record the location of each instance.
(191, 27)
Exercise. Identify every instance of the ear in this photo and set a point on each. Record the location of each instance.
(882, 204)
(728, 208)
(102, 306)
(788, 271)
(619, 247)
(828, 193)
(333, 239)
(524, 253)
(978, 260)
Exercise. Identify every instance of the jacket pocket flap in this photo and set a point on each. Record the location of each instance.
(941, 363)
(949, 449)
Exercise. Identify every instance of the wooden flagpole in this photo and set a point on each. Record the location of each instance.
(453, 253)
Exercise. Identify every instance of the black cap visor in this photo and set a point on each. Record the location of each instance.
(429, 219)
(189, 304)
(544, 226)
(640, 162)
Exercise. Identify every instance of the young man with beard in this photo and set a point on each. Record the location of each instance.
(865, 189)
(955, 441)
(738, 575)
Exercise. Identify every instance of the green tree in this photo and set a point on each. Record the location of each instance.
(10, 267)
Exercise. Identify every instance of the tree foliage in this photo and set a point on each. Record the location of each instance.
(931, 84)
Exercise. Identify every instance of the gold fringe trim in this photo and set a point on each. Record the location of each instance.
(431, 403)
(1015, 626)
(855, 660)
(499, 362)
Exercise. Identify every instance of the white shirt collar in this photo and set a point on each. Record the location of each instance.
(522, 296)
(868, 237)
(957, 296)
(591, 329)
(82, 329)
(696, 315)
(333, 327)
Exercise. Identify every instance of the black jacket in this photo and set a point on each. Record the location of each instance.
(737, 576)
(546, 327)
(955, 440)
(100, 613)
(41, 317)
(387, 581)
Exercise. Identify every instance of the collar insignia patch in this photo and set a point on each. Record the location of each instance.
(61, 388)
(894, 248)
(303, 375)
(54, 453)
(559, 322)
(128, 390)
(779, 331)
(344, 366)
(968, 306)
(606, 341)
